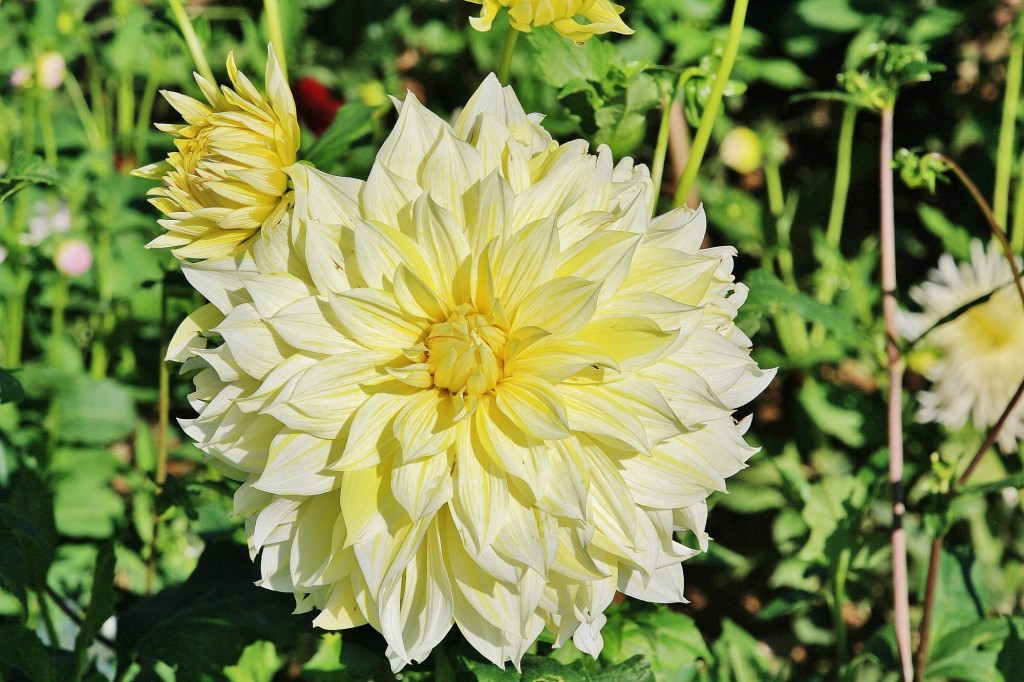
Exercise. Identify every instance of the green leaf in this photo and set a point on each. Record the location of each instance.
(540, 669)
(769, 295)
(969, 653)
(22, 650)
(258, 663)
(955, 239)
(844, 424)
(561, 61)
(961, 599)
(833, 513)
(352, 122)
(1010, 661)
(27, 535)
(93, 412)
(10, 389)
(85, 504)
(206, 622)
(101, 606)
(636, 669)
(831, 15)
(668, 639)
(26, 170)
(738, 657)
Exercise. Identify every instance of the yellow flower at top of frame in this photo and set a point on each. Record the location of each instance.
(602, 16)
(225, 183)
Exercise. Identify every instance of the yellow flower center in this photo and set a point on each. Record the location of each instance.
(995, 323)
(464, 352)
(194, 151)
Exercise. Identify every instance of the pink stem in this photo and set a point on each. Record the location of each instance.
(901, 591)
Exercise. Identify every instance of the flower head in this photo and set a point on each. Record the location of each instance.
(978, 363)
(226, 181)
(601, 16)
(485, 391)
(51, 70)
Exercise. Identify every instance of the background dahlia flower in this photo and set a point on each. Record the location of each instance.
(226, 183)
(978, 361)
(602, 16)
(481, 388)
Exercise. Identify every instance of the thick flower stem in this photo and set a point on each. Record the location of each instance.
(16, 319)
(1011, 104)
(838, 599)
(59, 303)
(901, 591)
(707, 120)
(163, 423)
(841, 187)
(507, 52)
(661, 148)
(195, 48)
(1017, 229)
(273, 12)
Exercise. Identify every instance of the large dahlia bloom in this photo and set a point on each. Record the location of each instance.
(226, 181)
(601, 16)
(978, 361)
(481, 388)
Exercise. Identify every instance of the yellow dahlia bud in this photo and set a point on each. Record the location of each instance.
(601, 16)
(741, 150)
(484, 393)
(226, 183)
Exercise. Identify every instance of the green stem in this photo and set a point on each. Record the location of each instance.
(125, 110)
(195, 48)
(1017, 230)
(276, 34)
(164, 412)
(841, 187)
(660, 149)
(47, 131)
(44, 612)
(773, 179)
(1007, 128)
(93, 135)
(145, 112)
(838, 599)
(505, 66)
(60, 302)
(707, 120)
(16, 319)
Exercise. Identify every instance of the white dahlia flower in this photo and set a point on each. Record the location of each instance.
(485, 391)
(978, 362)
(226, 183)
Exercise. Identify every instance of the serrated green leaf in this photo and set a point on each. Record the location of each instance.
(669, 640)
(564, 61)
(844, 424)
(635, 669)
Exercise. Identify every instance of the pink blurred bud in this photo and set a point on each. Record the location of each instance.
(51, 69)
(73, 258)
(21, 77)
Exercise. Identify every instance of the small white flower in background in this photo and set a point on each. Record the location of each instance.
(51, 70)
(73, 258)
(978, 362)
(47, 218)
(3, 254)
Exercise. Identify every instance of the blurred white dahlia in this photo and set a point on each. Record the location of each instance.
(485, 391)
(226, 181)
(978, 363)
